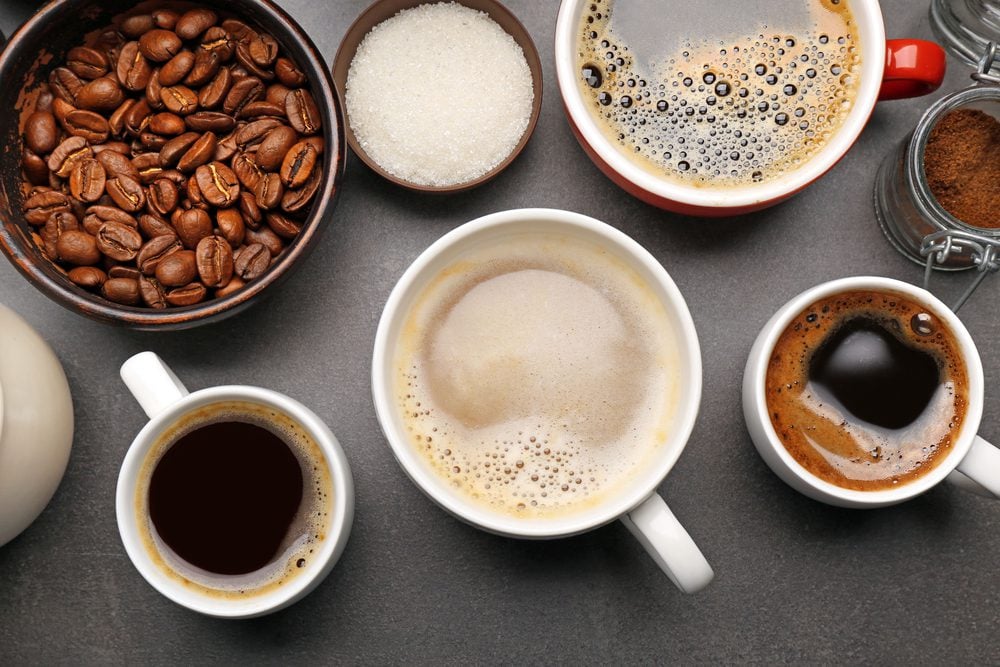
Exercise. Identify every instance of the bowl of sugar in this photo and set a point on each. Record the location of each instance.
(440, 97)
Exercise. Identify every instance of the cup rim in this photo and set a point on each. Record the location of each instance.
(974, 369)
(613, 507)
(340, 522)
(871, 29)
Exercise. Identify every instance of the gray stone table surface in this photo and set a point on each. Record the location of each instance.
(797, 581)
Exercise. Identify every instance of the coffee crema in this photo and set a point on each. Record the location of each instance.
(867, 390)
(757, 96)
(537, 374)
(234, 500)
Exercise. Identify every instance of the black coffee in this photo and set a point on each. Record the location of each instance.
(238, 499)
(225, 496)
(867, 389)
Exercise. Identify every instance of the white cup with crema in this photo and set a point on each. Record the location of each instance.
(537, 374)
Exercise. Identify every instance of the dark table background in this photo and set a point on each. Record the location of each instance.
(796, 581)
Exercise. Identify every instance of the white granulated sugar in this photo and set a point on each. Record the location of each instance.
(438, 95)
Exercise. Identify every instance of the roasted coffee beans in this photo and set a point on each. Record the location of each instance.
(171, 158)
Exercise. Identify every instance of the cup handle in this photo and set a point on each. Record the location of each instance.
(979, 471)
(913, 67)
(666, 541)
(152, 383)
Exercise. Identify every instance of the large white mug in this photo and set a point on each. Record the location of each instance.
(638, 506)
(972, 462)
(167, 402)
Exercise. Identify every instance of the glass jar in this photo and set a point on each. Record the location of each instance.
(912, 218)
(966, 26)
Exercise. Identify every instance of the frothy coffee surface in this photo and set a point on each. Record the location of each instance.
(759, 91)
(537, 374)
(212, 565)
(867, 390)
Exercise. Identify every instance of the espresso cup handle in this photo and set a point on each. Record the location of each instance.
(666, 541)
(152, 383)
(979, 471)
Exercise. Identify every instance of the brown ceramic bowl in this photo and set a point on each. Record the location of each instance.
(40, 45)
(381, 10)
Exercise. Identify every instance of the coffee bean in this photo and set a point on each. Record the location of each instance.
(302, 112)
(215, 261)
(121, 290)
(154, 250)
(153, 226)
(252, 215)
(127, 193)
(38, 207)
(119, 147)
(253, 133)
(101, 94)
(242, 93)
(176, 147)
(263, 49)
(137, 117)
(154, 92)
(65, 84)
(231, 227)
(262, 109)
(234, 285)
(175, 69)
(218, 41)
(176, 269)
(201, 152)
(86, 63)
(122, 271)
(34, 167)
(239, 30)
(207, 64)
(194, 22)
(252, 261)
(266, 237)
(226, 147)
(101, 214)
(119, 242)
(192, 226)
(298, 165)
(152, 292)
(116, 164)
(269, 191)
(41, 133)
(247, 171)
(61, 109)
(215, 92)
(195, 199)
(213, 121)
(117, 120)
(282, 225)
(180, 99)
(160, 45)
(78, 248)
(133, 69)
(246, 61)
(296, 199)
(188, 295)
(165, 18)
(56, 226)
(218, 184)
(88, 277)
(149, 167)
(275, 145)
(136, 25)
(87, 180)
(288, 74)
(276, 94)
(88, 124)
(166, 123)
(162, 196)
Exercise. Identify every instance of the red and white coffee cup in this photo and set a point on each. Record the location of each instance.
(890, 69)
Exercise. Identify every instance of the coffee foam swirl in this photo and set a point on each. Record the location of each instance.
(723, 112)
(537, 375)
(306, 534)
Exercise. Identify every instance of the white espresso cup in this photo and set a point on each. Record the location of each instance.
(972, 463)
(637, 505)
(167, 403)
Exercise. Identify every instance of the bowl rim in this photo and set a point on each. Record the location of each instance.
(382, 10)
(14, 235)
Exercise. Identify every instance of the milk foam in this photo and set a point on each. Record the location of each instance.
(537, 375)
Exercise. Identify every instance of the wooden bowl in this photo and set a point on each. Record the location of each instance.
(384, 9)
(40, 45)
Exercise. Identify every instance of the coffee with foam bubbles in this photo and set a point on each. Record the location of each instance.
(537, 374)
(236, 499)
(757, 94)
